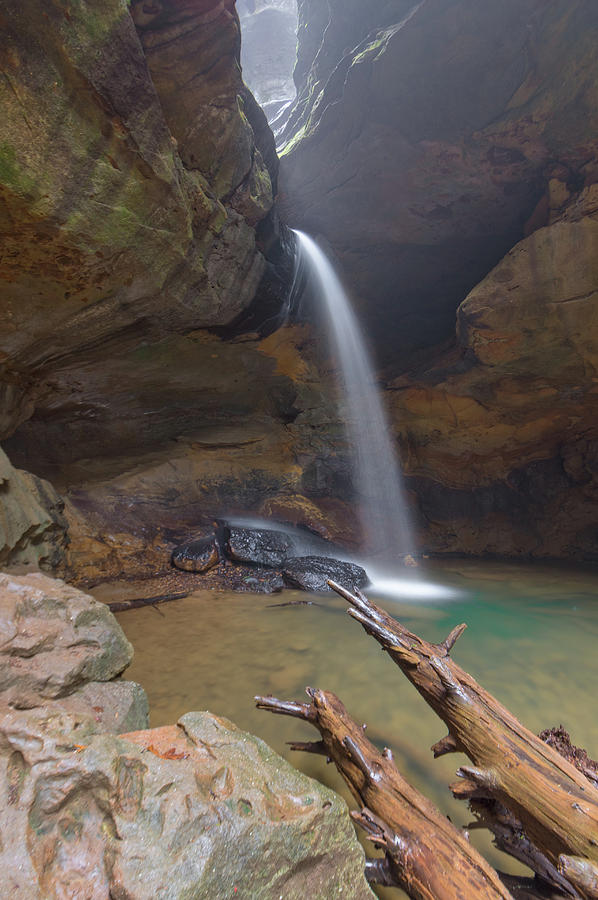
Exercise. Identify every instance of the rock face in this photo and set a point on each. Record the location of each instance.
(422, 139)
(141, 262)
(119, 228)
(32, 524)
(277, 452)
(55, 639)
(131, 196)
(268, 51)
(500, 435)
(448, 153)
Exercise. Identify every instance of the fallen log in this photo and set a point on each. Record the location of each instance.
(424, 853)
(556, 805)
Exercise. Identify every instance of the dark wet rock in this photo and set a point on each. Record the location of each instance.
(311, 573)
(196, 556)
(252, 580)
(261, 547)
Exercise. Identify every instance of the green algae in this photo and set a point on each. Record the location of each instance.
(97, 25)
(11, 174)
(297, 137)
(8, 167)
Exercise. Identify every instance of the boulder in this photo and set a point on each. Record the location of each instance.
(100, 707)
(259, 546)
(195, 810)
(311, 573)
(112, 706)
(33, 529)
(196, 556)
(53, 640)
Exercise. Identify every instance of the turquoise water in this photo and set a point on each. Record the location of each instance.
(531, 640)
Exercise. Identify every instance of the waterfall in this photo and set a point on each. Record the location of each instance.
(376, 471)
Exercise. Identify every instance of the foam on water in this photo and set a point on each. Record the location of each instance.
(411, 589)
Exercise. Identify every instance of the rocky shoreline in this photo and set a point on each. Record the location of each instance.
(96, 804)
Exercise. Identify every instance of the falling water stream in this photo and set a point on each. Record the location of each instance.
(376, 471)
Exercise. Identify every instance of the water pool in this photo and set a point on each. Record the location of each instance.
(532, 641)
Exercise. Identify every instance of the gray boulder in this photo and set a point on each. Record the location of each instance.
(198, 810)
(54, 639)
(110, 706)
(33, 529)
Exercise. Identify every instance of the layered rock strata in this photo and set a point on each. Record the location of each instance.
(500, 434)
(422, 139)
(121, 224)
(448, 152)
(137, 176)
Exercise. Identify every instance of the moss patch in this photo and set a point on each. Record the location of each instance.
(11, 174)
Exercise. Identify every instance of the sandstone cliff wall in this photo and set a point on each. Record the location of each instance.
(448, 152)
(137, 177)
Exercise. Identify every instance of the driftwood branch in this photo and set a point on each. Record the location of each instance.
(122, 605)
(424, 853)
(552, 803)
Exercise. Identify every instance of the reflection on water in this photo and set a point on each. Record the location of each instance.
(531, 641)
